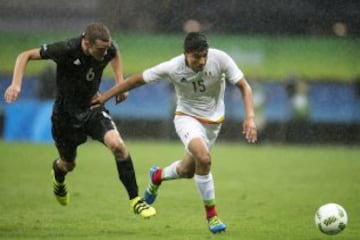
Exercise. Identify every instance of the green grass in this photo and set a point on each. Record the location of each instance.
(263, 192)
(258, 56)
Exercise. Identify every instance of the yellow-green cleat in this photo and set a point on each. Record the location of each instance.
(140, 207)
(216, 225)
(61, 195)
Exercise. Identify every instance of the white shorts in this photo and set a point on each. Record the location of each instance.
(189, 128)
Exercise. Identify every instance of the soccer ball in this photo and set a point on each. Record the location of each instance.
(331, 218)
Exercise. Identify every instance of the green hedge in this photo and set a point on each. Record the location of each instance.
(258, 56)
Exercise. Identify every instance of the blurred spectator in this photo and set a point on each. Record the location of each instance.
(297, 91)
(259, 102)
(357, 86)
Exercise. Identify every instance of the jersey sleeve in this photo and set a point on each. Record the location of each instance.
(112, 51)
(53, 51)
(232, 71)
(156, 73)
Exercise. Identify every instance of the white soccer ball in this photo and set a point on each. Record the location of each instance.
(331, 218)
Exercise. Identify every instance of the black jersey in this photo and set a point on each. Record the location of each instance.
(78, 75)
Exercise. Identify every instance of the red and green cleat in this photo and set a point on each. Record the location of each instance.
(152, 189)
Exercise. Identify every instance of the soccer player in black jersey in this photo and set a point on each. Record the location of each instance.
(80, 63)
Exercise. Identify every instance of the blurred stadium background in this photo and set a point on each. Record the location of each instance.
(302, 58)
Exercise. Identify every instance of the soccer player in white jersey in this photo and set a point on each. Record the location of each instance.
(199, 76)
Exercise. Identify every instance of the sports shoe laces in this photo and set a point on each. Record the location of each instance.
(214, 221)
(140, 206)
(60, 189)
(153, 188)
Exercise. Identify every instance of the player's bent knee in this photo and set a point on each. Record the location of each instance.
(66, 166)
(70, 166)
(118, 148)
(204, 159)
(203, 164)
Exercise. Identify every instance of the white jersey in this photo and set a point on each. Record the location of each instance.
(199, 94)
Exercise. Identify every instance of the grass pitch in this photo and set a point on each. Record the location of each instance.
(263, 192)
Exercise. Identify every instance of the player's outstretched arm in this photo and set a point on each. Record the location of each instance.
(129, 83)
(249, 125)
(13, 91)
(116, 64)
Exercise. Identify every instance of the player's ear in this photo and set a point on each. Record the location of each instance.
(87, 43)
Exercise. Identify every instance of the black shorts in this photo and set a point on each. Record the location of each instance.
(71, 130)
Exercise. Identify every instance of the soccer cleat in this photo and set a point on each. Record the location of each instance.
(216, 225)
(62, 196)
(141, 208)
(152, 189)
